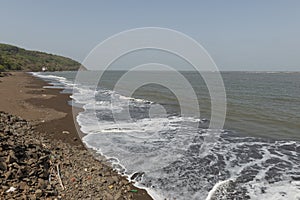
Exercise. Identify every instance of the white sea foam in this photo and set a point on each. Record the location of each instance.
(166, 149)
(218, 186)
(57, 82)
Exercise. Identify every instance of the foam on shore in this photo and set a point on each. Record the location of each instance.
(177, 160)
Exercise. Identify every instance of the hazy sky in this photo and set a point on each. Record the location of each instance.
(239, 35)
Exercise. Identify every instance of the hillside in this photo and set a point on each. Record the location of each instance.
(15, 58)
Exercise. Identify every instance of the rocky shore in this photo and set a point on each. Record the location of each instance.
(41, 154)
(32, 167)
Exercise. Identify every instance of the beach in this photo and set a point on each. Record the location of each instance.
(48, 124)
(42, 154)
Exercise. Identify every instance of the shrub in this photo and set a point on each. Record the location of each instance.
(2, 68)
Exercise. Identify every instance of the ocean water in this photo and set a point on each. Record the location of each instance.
(255, 156)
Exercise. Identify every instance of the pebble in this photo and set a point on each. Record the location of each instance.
(66, 132)
(3, 166)
(38, 193)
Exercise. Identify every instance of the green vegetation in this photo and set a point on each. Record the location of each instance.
(2, 68)
(15, 58)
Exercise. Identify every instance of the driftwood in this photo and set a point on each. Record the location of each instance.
(58, 176)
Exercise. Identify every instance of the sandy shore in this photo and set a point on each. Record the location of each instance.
(48, 111)
(23, 95)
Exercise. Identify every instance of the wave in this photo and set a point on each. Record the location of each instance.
(56, 82)
(174, 156)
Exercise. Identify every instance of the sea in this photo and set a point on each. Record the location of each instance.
(256, 155)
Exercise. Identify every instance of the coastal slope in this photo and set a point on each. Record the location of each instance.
(16, 58)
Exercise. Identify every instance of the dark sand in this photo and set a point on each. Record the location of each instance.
(23, 95)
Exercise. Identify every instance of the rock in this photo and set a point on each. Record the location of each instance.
(38, 193)
(15, 165)
(42, 184)
(8, 175)
(296, 178)
(32, 197)
(107, 174)
(3, 166)
(43, 158)
(137, 176)
(118, 195)
(115, 179)
(23, 186)
(11, 157)
(108, 196)
(103, 181)
(20, 173)
(123, 182)
(31, 161)
(32, 173)
(11, 189)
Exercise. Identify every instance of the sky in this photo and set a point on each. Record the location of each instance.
(239, 35)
